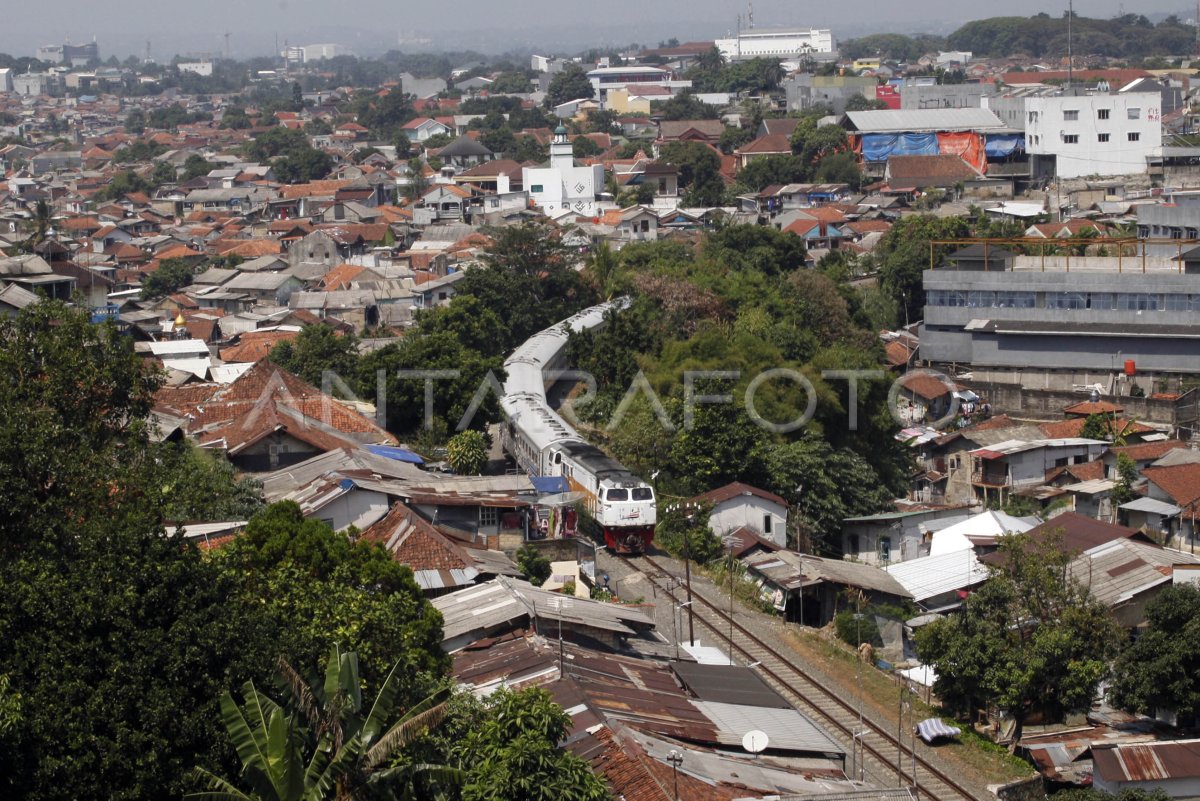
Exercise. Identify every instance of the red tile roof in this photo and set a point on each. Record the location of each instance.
(1093, 407)
(733, 490)
(1181, 482)
(1072, 427)
(1149, 451)
(771, 143)
(924, 386)
(253, 346)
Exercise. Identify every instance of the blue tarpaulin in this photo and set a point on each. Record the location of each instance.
(399, 454)
(550, 485)
(878, 147)
(997, 146)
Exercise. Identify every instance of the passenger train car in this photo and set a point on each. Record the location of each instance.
(544, 444)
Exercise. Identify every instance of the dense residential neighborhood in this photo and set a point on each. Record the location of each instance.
(771, 416)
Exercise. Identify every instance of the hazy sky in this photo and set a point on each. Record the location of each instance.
(371, 26)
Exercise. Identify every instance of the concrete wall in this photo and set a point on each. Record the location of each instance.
(750, 512)
(1040, 404)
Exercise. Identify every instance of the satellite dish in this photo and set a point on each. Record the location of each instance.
(755, 741)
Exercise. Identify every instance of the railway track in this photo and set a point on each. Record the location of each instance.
(881, 756)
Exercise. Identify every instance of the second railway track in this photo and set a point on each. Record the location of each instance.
(885, 758)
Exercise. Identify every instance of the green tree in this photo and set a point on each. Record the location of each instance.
(905, 252)
(163, 173)
(1096, 426)
(1031, 639)
(467, 453)
(123, 183)
(699, 172)
(135, 122)
(319, 587)
(1127, 476)
(1160, 670)
(513, 755)
(326, 743)
(570, 84)
(198, 485)
(417, 183)
(686, 106)
(582, 147)
(533, 564)
(195, 166)
(171, 276)
(860, 102)
(315, 350)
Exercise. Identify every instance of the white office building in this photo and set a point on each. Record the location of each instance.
(204, 68)
(782, 43)
(6, 84)
(316, 52)
(1094, 134)
(562, 186)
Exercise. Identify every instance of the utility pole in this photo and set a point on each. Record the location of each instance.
(731, 542)
(227, 35)
(1070, 52)
(687, 573)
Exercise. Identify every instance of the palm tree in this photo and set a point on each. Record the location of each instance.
(351, 746)
(602, 269)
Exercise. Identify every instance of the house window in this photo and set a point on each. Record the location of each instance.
(1102, 114)
(1135, 136)
(885, 549)
(1071, 116)
(852, 545)
(535, 188)
(1071, 139)
(1135, 113)
(766, 525)
(488, 516)
(1102, 138)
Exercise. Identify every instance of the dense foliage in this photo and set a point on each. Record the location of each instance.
(119, 636)
(1031, 639)
(1125, 36)
(1161, 669)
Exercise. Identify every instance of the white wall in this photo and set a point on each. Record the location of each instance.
(573, 187)
(358, 508)
(1048, 131)
(749, 511)
(199, 67)
(749, 44)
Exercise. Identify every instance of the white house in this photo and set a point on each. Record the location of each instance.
(738, 505)
(1099, 134)
(421, 128)
(204, 68)
(563, 186)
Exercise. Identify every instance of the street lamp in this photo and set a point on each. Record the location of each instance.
(676, 759)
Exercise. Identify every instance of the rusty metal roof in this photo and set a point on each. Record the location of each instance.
(1147, 762)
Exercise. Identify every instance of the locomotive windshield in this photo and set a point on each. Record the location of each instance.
(642, 494)
(618, 495)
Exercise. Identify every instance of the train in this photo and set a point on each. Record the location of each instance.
(542, 443)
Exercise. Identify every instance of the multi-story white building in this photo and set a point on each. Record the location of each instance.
(316, 52)
(605, 78)
(563, 186)
(6, 84)
(1093, 134)
(783, 43)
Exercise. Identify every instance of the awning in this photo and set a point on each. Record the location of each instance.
(550, 485)
(1152, 507)
(399, 454)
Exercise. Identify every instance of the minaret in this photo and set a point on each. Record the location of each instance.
(562, 155)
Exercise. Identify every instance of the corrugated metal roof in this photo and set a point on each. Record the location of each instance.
(786, 729)
(1152, 506)
(1117, 571)
(941, 119)
(730, 684)
(1148, 762)
(930, 576)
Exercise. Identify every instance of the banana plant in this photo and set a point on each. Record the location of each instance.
(352, 747)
